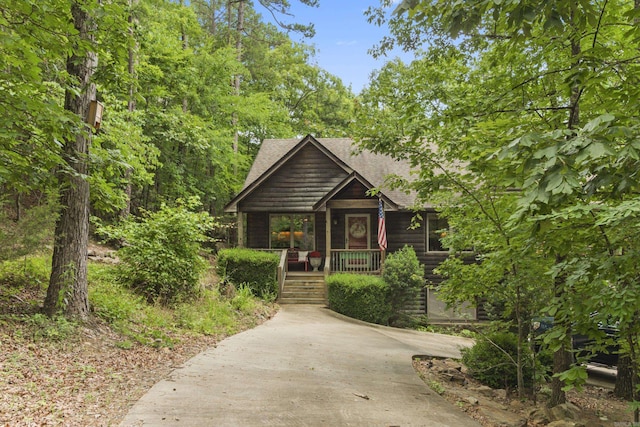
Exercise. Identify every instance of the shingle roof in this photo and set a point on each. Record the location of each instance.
(371, 166)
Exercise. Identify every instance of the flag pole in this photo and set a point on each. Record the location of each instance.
(382, 232)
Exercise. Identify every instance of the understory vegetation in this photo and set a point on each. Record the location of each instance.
(154, 302)
(122, 309)
(161, 252)
(492, 360)
(58, 371)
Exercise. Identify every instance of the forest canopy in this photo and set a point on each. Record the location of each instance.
(189, 88)
(117, 108)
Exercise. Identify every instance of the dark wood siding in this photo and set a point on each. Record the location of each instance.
(399, 232)
(431, 262)
(355, 190)
(257, 230)
(337, 229)
(297, 185)
(321, 231)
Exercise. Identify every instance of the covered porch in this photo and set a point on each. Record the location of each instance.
(340, 238)
(301, 276)
(344, 236)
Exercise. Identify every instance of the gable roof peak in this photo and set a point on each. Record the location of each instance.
(372, 167)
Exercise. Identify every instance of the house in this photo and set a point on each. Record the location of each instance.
(311, 195)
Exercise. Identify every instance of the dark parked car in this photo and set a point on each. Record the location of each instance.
(582, 343)
(607, 356)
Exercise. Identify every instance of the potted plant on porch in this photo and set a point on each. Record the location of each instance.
(315, 259)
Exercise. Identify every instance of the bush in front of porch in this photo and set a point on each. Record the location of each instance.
(255, 269)
(362, 297)
(404, 275)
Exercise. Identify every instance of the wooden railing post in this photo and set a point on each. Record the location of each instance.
(282, 272)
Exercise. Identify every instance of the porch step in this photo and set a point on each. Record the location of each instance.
(301, 288)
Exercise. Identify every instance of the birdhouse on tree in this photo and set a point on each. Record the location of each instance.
(94, 118)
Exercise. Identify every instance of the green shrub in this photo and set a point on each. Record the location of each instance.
(109, 299)
(359, 296)
(404, 275)
(31, 272)
(160, 257)
(492, 360)
(258, 270)
(31, 234)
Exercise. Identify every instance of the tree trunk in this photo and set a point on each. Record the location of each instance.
(185, 46)
(236, 80)
(521, 338)
(624, 383)
(561, 363)
(131, 103)
(562, 357)
(18, 207)
(67, 291)
(229, 21)
(213, 28)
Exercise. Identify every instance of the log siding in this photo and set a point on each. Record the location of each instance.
(297, 185)
(311, 182)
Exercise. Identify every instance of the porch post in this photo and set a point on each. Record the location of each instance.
(327, 249)
(240, 229)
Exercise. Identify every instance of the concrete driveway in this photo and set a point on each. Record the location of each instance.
(305, 367)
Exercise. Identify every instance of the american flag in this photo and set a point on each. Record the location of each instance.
(382, 229)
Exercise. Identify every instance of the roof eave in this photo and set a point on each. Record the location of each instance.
(232, 206)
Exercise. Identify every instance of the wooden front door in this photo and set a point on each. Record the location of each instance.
(357, 231)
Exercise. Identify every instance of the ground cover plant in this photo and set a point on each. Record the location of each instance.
(54, 371)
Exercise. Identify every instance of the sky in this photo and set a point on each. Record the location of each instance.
(343, 37)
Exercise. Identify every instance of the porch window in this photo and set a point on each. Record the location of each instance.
(436, 229)
(292, 231)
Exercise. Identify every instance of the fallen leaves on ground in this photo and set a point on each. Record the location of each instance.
(448, 378)
(87, 380)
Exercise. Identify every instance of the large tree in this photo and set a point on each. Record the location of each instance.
(531, 95)
(166, 76)
(67, 291)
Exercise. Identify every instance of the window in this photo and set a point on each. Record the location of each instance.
(292, 231)
(436, 229)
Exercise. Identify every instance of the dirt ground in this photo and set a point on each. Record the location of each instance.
(594, 406)
(90, 379)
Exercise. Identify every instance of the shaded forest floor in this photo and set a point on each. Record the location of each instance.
(593, 406)
(89, 378)
(63, 374)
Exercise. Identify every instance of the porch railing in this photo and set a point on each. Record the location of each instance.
(282, 266)
(356, 261)
(363, 261)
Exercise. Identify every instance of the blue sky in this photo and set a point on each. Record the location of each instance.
(343, 37)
